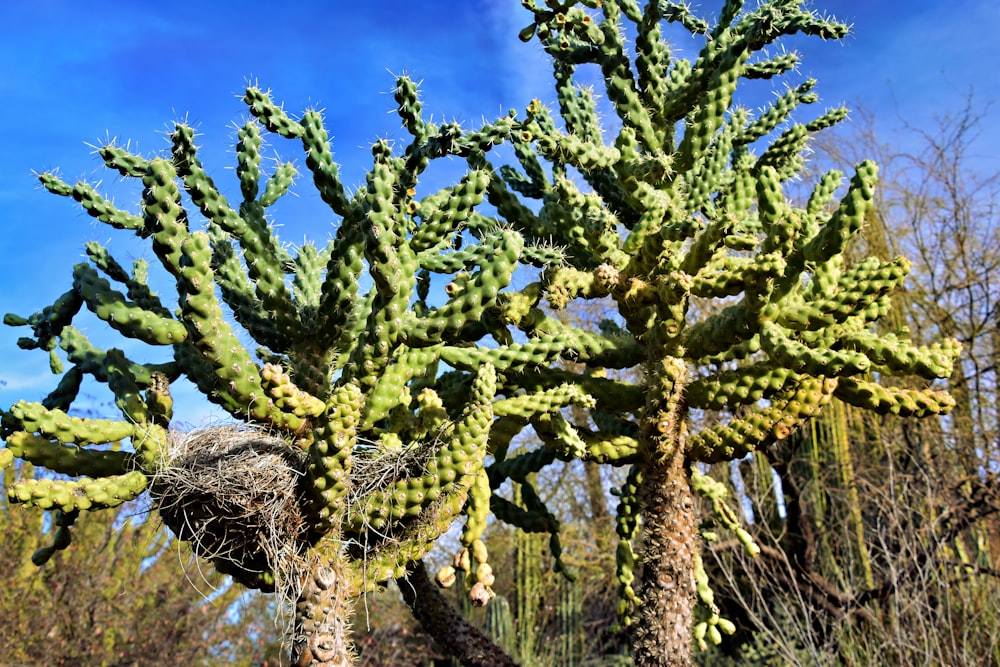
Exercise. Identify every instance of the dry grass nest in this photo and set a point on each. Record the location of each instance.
(234, 493)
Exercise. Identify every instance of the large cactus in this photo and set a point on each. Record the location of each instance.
(391, 413)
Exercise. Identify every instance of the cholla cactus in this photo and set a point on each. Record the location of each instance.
(386, 417)
(731, 299)
(355, 452)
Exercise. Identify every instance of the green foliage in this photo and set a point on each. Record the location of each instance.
(122, 599)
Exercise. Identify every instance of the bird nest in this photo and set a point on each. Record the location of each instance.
(234, 493)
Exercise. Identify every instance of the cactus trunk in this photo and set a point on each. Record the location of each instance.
(322, 613)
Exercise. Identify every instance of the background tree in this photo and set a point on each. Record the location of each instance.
(134, 592)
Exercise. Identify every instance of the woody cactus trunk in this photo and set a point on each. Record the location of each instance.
(381, 414)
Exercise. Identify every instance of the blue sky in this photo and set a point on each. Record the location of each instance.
(74, 73)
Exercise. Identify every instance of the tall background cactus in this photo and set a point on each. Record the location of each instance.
(383, 413)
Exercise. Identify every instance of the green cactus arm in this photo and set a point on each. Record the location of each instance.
(213, 338)
(94, 204)
(66, 390)
(777, 112)
(722, 331)
(856, 290)
(137, 285)
(92, 360)
(121, 160)
(248, 159)
(527, 520)
(239, 295)
(846, 221)
(652, 62)
(83, 494)
(127, 317)
(405, 365)
(271, 115)
(617, 447)
(264, 262)
(468, 304)
(163, 213)
(900, 356)
(893, 400)
(107, 264)
(444, 213)
(47, 324)
(123, 386)
(520, 467)
(57, 425)
(330, 456)
(543, 402)
(731, 276)
(452, 469)
(626, 527)
(68, 459)
(61, 538)
(771, 67)
(319, 160)
(799, 357)
(389, 559)
(296, 405)
(760, 426)
(338, 293)
(730, 388)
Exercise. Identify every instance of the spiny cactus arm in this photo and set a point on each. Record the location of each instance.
(898, 355)
(47, 324)
(404, 366)
(163, 214)
(121, 382)
(893, 400)
(519, 467)
(211, 336)
(610, 394)
(238, 293)
(543, 402)
(571, 442)
(390, 559)
(777, 112)
(847, 220)
(83, 494)
(137, 283)
(627, 528)
(479, 574)
(452, 470)
(264, 262)
(730, 388)
(470, 299)
(855, 292)
(125, 316)
(68, 459)
(718, 494)
(92, 360)
(121, 160)
(760, 426)
(94, 204)
(66, 391)
(334, 439)
(444, 213)
(57, 425)
(297, 406)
